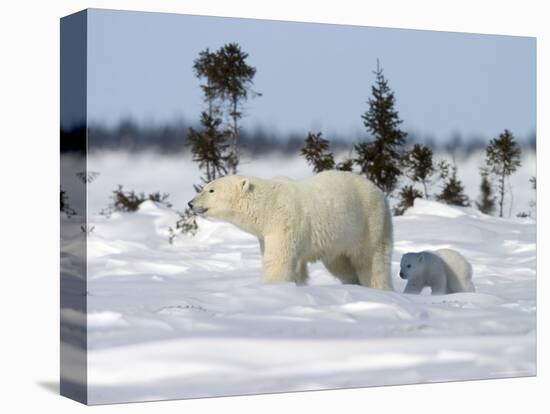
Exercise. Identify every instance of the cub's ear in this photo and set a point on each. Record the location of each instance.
(245, 185)
(421, 257)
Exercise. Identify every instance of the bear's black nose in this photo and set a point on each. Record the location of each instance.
(401, 275)
(190, 204)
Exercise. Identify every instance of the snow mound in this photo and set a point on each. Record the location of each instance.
(434, 208)
(152, 208)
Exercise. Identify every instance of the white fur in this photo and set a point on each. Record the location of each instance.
(338, 217)
(445, 271)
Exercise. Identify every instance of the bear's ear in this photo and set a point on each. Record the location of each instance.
(421, 257)
(245, 185)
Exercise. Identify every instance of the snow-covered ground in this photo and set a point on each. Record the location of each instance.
(194, 319)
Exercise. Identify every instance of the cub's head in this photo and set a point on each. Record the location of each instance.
(412, 264)
(221, 198)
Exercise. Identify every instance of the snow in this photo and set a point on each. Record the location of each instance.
(194, 319)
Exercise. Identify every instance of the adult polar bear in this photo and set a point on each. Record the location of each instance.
(337, 217)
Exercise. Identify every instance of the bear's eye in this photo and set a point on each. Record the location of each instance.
(211, 190)
(409, 266)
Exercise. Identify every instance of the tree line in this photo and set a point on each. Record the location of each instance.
(170, 138)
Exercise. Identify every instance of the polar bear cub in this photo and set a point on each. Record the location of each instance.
(444, 271)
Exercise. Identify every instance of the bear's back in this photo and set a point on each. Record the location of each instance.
(344, 192)
(333, 208)
(340, 181)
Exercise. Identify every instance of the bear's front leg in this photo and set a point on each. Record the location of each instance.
(278, 259)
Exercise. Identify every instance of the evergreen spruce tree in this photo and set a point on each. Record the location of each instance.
(238, 80)
(380, 159)
(316, 152)
(453, 190)
(503, 157)
(186, 224)
(227, 78)
(129, 201)
(419, 165)
(486, 203)
(206, 67)
(407, 195)
(210, 149)
(229, 81)
(346, 165)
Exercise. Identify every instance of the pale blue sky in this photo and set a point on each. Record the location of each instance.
(312, 76)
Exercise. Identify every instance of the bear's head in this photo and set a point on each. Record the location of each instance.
(222, 198)
(412, 264)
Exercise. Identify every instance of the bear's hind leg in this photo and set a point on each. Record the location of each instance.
(363, 268)
(302, 275)
(381, 267)
(341, 267)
